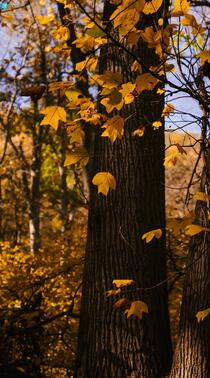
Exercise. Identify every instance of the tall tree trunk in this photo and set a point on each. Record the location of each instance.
(192, 356)
(110, 345)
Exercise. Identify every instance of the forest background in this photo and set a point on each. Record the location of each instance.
(53, 102)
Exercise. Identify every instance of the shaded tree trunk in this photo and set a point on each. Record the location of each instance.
(192, 356)
(110, 345)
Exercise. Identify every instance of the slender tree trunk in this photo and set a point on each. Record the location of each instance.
(110, 345)
(192, 356)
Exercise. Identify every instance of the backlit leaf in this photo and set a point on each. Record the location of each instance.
(53, 114)
(152, 6)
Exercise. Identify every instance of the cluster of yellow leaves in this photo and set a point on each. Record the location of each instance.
(130, 308)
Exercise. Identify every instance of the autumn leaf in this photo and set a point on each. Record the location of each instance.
(122, 304)
(157, 124)
(204, 56)
(113, 101)
(190, 20)
(139, 132)
(152, 6)
(137, 309)
(53, 114)
(79, 155)
(43, 20)
(194, 229)
(122, 283)
(146, 82)
(168, 109)
(62, 33)
(114, 128)
(201, 315)
(148, 236)
(181, 8)
(109, 293)
(89, 63)
(201, 196)
(127, 92)
(73, 95)
(104, 181)
(59, 85)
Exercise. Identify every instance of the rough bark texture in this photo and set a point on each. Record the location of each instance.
(192, 356)
(110, 345)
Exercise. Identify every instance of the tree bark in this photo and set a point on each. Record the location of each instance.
(110, 345)
(192, 356)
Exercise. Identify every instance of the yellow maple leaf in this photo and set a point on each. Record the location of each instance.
(53, 114)
(113, 101)
(62, 33)
(104, 181)
(89, 63)
(146, 82)
(168, 109)
(148, 236)
(114, 128)
(43, 20)
(109, 79)
(204, 56)
(201, 315)
(181, 7)
(152, 6)
(79, 155)
(127, 92)
(201, 196)
(127, 15)
(73, 96)
(122, 283)
(137, 309)
(194, 229)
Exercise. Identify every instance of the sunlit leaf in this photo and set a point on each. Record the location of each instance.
(148, 236)
(53, 114)
(152, 6)
(122, 283)
(201, 315)
(204, 56)
(104, 181)
(114, 128)
(193, 229)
